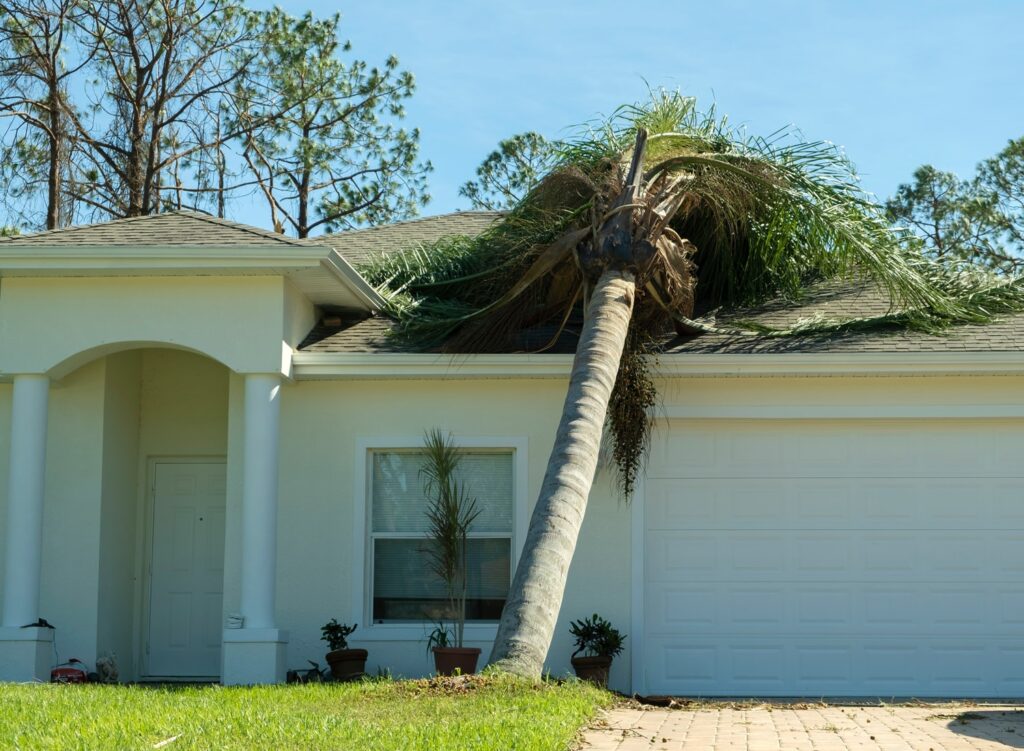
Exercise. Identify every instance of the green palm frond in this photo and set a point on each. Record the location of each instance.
(759, 218)
(768, 216)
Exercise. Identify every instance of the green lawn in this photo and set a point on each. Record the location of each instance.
(490, 713)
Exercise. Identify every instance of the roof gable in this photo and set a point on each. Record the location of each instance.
(170, 229)
(189, 244)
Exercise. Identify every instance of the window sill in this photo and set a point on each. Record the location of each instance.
(482, 632)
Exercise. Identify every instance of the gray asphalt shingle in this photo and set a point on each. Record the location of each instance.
(173, 228)
(833, 300)
(361, 245)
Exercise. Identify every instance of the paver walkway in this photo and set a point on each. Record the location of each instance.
(810, 727)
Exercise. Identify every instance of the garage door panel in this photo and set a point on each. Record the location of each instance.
(823, 553)
(682, 556)
(755, 609)
(823, 667)
(835, 557)
(758, 555)
(1006, 502)
(694, 609)
(889, 668)
(697, 505)
(1007, 554)
(694, 665)
(831, 503)
(1010, 680)
(888, 555)
(699, 448)
(1010, 607)
(888, 609)
(856, 556)
(849, 609)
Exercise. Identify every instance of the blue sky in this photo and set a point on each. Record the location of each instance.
(896, 83)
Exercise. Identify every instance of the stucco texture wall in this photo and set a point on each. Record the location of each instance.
(318, 570)
(239, 321)
(191, 406)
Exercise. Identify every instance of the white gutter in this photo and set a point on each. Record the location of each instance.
(390, 365)
(40, 260)
(354, 281)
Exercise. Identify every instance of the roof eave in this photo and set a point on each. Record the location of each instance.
(388, 365)
(86, 261)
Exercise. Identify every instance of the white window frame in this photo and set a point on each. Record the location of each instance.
(362, 550)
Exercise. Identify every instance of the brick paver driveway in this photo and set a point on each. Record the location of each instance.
(803, 727)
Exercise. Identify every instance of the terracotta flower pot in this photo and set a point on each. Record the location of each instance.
(347, 664)
(593, 669)
(448, 660)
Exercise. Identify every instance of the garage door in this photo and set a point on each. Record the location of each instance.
(846, 557)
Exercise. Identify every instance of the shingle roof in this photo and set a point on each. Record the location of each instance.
(353, 335)
(361, 245)
(851, 301)
(173, 228)
(831, 300)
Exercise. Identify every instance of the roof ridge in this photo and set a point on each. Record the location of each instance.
(40, 237)
(231, 224)
(75, 227)
(414, 220)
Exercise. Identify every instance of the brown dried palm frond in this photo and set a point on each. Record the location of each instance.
(720, 221)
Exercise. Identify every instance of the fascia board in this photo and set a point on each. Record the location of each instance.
(357, 365)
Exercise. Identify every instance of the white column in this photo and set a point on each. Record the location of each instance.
(259, 500)
(25, 500)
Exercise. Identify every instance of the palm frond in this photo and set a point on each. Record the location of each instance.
(724, 221)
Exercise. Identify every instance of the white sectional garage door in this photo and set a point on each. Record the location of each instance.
(835, 557)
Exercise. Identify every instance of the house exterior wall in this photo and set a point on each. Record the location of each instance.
(319, 570)
(191, 406)
(120, 510)
(324, 422)
(72, 511)
(299, 315)
(239, 321)
(5, 457)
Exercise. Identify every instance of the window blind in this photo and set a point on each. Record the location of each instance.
(399, 503)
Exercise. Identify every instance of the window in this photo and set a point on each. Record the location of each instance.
(403, 586)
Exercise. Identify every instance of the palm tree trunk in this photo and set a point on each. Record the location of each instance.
(531, 611)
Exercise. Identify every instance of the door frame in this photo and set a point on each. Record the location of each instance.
(146, 559)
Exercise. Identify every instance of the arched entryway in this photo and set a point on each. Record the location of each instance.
(124, 502)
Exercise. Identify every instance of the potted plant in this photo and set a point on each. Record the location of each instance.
(597, 642)
(450, 515)
(346, 664)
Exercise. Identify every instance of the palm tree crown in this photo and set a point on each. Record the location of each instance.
(715, 220)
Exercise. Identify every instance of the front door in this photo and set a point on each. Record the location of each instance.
(187, 570)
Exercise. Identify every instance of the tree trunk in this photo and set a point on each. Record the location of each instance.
(53, 186)
(531, 612)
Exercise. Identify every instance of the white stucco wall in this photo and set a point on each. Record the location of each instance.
(191, 406)
(5, 454)
(321, 425)
(120, 510)
(299, 315)
(71, 511)
(239, 321)
(322, 422)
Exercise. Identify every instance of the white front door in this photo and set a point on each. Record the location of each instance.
(187, 573)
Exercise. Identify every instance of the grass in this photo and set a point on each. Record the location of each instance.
(479, 713)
